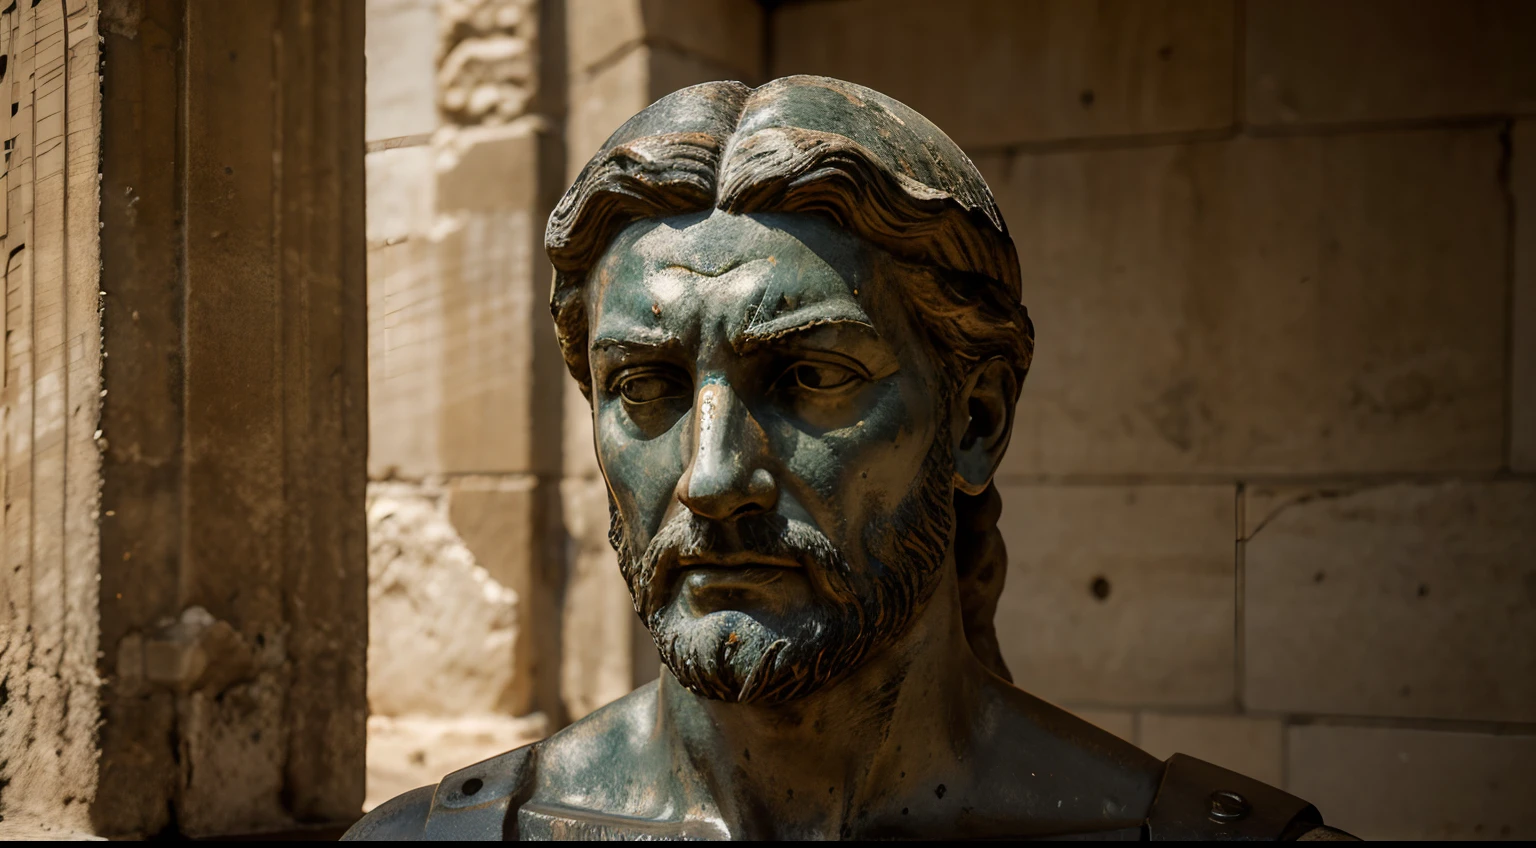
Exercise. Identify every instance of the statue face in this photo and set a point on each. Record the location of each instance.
(775, 438)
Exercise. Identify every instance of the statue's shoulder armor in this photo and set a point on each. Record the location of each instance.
(1197, 800)
(472, 804)
(400, 819)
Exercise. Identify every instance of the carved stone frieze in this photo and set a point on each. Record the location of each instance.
(488, 59)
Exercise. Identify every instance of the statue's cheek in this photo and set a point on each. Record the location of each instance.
(642, 472)
(870, 462)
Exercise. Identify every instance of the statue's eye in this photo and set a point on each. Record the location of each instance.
(821, 376)
(649, 387)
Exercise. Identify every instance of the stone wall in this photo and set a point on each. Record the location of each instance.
(1270, 496)
(1267, 500)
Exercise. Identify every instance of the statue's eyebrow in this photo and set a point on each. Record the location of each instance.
(821, 315)
(637, 339)
(727, 268)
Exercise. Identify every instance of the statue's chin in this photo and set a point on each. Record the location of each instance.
(733, 656)
(797, 645)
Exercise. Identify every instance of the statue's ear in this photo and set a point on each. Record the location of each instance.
(983, 423)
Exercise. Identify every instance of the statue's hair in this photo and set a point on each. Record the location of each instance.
(868, 163)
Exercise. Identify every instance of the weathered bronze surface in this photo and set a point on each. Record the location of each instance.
(796, 313)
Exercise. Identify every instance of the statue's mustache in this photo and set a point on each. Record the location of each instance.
(690, 537)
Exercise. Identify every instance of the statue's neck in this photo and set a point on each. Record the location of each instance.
(807, 769)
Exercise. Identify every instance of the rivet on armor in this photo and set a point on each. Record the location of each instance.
(1229, 806)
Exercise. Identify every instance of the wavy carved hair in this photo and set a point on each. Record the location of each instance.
(873, 166)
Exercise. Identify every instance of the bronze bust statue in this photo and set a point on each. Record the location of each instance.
(796, 313)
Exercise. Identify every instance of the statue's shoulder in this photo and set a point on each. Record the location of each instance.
(470, 804)
(1198, 800)
(590, 758)
(1102, 787)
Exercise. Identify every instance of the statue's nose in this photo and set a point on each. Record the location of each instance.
(726, 479)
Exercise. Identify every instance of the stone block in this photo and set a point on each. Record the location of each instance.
(1282, 305)
(1401, 600)
(405, 359)
(1002, 73)
(490, 299)
(443, 632)
(1522, 428)
(487, 168)
(1249, 746)
(599, 32)
(1318, 62)
(461, 345)
(1119, 595)
(402, 189)
(726, 33)
(401, 47)
(461, 348)
(511, 524)
(500, 520)
(1397, 783)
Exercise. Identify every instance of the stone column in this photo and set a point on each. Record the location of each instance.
(185, 416)
(50, 402)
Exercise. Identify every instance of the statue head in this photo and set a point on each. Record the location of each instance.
(795, 312)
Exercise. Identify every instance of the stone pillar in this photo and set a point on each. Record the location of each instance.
(50, 403)
(185, 417)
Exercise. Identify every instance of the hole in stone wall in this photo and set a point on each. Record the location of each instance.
(1099, 587)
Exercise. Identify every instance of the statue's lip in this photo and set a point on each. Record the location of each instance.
(742, 559)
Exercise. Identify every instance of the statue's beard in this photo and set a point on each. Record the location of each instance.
(769, 659)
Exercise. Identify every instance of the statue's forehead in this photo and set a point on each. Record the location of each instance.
(738, 271)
